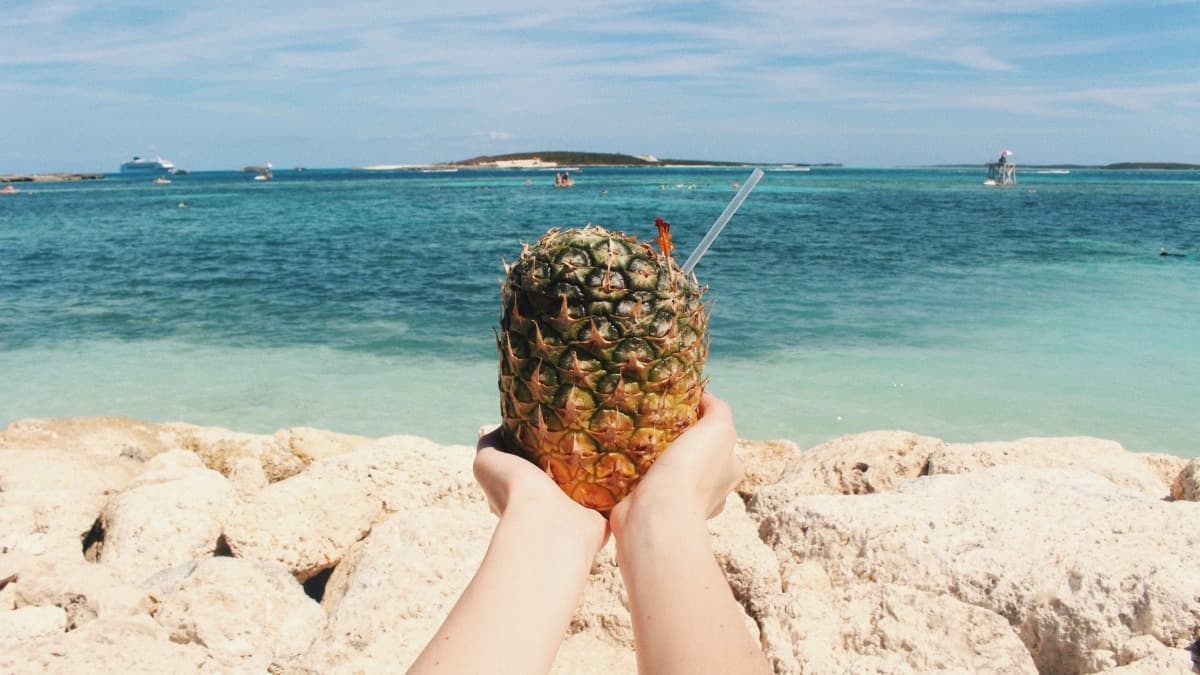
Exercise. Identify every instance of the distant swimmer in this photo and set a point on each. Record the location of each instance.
(8, 189)
(183, 205)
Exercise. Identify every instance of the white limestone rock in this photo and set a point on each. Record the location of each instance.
(409, 471)
(249, 615)
(864, 463)
(886, 628)
(309, 521)
(8, 600)
(108, 437)
(85, 591)
(135, 645)
(1075, 563)
(764, 462)
(160, 524)
(987, 567)
(1166, 467)
(50, 499)
(1103, 458)
(306, 523)
(221, 448)
(247, 476)
(310, 444)
(390, 594)
(18, 626)
(1144, 655)
(1186, 486)
(168, 465)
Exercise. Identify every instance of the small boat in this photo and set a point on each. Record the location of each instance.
(141, 165)
(260, 172)
(161, 181)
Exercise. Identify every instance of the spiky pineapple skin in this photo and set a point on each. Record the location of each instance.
(602, 346)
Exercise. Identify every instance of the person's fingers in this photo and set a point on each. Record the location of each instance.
(715, 409)
(716, 417)
(485, 475)
(487, 460)
(491, 439)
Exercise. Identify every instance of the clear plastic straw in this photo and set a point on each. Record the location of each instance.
(722, 221)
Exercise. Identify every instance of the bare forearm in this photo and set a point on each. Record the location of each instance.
(513, 615)
(685, 618)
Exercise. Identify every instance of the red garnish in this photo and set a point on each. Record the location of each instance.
(664, 237)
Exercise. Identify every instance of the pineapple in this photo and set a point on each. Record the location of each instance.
(602, 345)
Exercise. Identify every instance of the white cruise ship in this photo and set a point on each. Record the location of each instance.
(143, 165)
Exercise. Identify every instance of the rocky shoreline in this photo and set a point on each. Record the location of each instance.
(138, 547)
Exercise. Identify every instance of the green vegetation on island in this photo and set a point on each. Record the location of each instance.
(573, 158)
(560, 157)
(48, 177)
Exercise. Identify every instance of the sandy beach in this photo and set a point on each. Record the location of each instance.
(134, 547)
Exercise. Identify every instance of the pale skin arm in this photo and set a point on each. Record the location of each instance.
(514, 614)
(685, 618)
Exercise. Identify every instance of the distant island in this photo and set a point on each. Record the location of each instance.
(550, 159)
(562, 158)
(1170, 166)
(48, 177)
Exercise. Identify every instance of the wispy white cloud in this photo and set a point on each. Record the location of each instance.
(535, 67)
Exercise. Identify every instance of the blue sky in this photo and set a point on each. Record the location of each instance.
(218, 85)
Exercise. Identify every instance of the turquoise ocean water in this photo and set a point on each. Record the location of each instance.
(845, 299)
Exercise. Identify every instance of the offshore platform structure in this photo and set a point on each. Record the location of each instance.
(1002, 172)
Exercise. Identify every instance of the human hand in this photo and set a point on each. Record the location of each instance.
(694, 474)
(514, 484)
(513, 615)
(685, 616)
